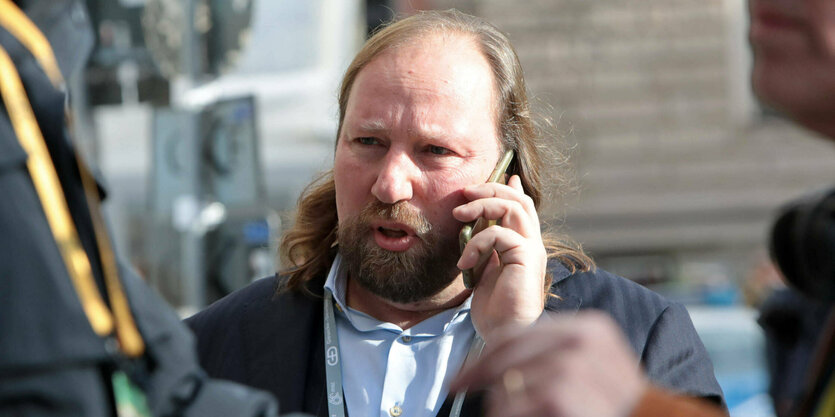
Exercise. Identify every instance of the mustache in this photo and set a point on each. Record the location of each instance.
(400, 212)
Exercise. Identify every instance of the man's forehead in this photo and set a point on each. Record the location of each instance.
(439, 57)
(455, 76)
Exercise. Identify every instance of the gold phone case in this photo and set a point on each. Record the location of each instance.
(467, 231)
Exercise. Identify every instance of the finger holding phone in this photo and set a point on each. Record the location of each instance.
(508, 259)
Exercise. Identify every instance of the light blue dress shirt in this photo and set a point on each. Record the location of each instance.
(388, 371)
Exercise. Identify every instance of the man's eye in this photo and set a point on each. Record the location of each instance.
(368, 141)
(439, 150)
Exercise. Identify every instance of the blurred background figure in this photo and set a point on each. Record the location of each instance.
(794, 71)
(207, 128)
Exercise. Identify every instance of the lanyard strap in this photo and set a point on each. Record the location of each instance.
(51, 195)
(333, 370)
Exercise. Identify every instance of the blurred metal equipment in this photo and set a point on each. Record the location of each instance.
(221, 29)
(212, 230)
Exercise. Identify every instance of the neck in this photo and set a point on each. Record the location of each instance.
(408, 314)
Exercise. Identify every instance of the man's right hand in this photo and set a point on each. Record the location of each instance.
(513, 258)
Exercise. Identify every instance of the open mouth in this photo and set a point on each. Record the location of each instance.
(392, 233)
(394, 236)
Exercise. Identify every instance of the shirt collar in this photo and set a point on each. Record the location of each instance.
(442, 322)
(336, 282)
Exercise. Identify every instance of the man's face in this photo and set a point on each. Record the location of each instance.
(794, 57)
(419, 126)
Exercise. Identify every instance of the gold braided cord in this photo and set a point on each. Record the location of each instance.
(52, 196)
(127, 333)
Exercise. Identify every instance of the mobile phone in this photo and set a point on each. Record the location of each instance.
(467, 231)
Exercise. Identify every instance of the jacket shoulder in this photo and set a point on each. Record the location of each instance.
(620, 297)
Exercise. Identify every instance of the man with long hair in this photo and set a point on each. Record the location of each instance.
(372, 315)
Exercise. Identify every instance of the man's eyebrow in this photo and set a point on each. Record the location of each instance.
(373, 126)
(378, 127)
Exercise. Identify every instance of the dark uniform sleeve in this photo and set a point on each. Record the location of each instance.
(178, 386)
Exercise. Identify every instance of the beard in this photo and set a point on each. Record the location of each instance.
(412, 275)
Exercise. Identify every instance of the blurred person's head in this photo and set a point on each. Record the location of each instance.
(794, 59)
(426, 108)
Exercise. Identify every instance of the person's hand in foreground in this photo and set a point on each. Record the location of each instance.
(565, 366)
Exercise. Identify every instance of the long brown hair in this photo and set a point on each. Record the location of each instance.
(307, 248)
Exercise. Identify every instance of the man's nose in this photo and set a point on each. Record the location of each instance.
(395, 179)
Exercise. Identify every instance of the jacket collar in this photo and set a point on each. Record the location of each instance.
(556, 302)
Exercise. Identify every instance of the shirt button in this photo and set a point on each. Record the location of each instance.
(395, 411)
(407, 339)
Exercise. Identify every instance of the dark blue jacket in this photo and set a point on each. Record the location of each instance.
(273, 341)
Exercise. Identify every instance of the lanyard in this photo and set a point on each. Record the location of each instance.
(54, 203)
(333, 370)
